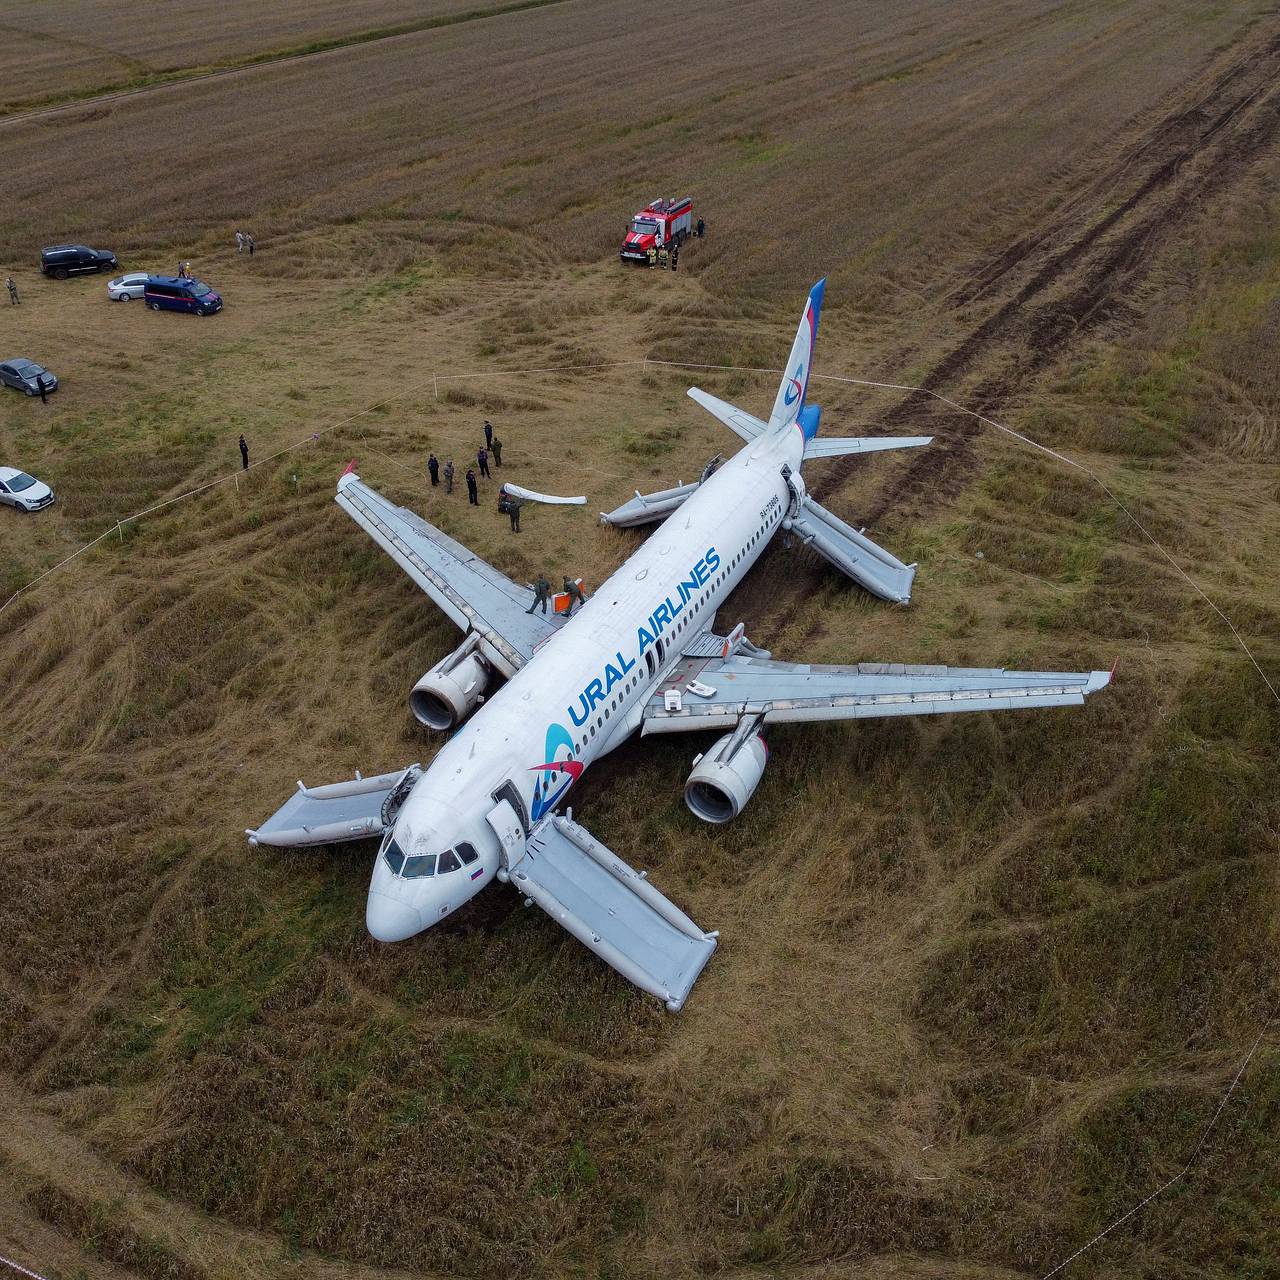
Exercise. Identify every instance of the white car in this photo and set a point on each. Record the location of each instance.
(127, 287)
(23, 491)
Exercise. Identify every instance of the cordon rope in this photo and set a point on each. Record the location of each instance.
(19, 1268)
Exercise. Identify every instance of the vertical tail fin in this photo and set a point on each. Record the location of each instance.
(795, 382)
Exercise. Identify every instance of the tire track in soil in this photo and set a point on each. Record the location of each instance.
(1089, 268)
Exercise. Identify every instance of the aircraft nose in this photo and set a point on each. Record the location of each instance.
(389, 920)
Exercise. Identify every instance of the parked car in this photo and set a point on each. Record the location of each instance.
(25, 492)
(63, 260)
(127, 287)
(181, 293)
(21, 374)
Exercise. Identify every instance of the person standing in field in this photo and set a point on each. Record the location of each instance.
(471, 488)
(448, 475)
(239, 241)
(244, 454)
(675, 257)
(14, 300)
(44, 399)
(513, 510)
(653, 257)
(483, 459)
(663, 255)
(702, 228)
(497, 452)
(248, 239)
(433, 469)
(488, 434)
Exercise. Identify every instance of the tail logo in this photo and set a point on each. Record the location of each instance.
(795, 390)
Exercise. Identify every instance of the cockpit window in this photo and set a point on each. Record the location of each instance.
(422, 865)
(467, 854)
(394, 856)
(449, 861)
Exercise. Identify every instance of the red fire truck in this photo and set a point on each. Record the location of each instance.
(658, 225)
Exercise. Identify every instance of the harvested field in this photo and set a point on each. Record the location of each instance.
(983, 981)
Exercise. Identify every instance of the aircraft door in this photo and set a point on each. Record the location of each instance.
(510, 832)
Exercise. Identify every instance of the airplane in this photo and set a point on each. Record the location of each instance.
(533, 700)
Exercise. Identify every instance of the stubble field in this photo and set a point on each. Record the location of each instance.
(982, 983)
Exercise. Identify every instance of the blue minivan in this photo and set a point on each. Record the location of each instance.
(181, 293)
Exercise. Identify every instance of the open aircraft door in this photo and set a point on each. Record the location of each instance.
(509, 829)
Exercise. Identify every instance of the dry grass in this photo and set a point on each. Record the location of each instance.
(981, 982)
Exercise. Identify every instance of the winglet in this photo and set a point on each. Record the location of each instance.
(350, 468)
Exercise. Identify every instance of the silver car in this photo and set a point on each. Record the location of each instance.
(17, 489)
(21, 374)
(127, 287)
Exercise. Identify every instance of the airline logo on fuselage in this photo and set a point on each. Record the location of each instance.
(660, 618)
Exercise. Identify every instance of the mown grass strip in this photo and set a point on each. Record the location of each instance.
(31, 108)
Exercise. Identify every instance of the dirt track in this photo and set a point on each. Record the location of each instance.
(1081, 269)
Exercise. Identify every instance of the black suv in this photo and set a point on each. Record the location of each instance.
(63, 260)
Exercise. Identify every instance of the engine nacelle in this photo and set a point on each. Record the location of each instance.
(451, 690)
(726, 777)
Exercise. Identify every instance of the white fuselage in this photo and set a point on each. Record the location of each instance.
(584, 690)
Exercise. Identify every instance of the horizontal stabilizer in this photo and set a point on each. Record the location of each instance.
(743, 423)
(836, 446)
(869, 565)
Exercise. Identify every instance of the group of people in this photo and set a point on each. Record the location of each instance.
(542, 590)
(668, 255)
(492, 448)
(244, 241)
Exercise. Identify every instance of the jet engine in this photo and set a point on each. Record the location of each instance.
(452, 689)
(725, 778)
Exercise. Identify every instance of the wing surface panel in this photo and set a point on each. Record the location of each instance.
(791, 692)
(475, 595)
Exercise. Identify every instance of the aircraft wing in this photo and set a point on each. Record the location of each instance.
(470, 590)
(727, 688)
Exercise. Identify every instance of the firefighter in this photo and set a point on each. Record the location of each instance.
(433, 469)
(663, 255)
(653, 257)
(702, 228)
(574, 592)
(513, 510)
(541, 589)
(675, 257)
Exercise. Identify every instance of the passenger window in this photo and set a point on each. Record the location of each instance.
(448, 862)
(467, 854)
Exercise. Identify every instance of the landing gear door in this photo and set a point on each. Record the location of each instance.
(510, 832)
